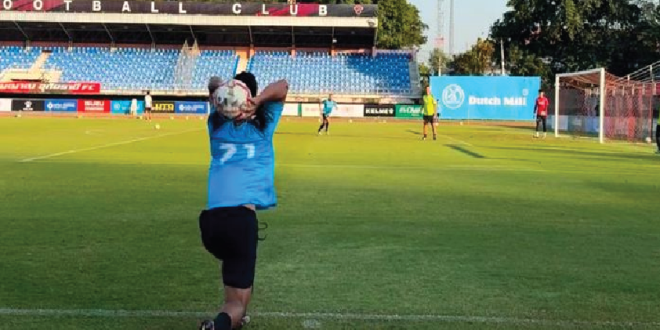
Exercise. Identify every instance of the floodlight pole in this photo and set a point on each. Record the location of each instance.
(557, 106)
(603, 90)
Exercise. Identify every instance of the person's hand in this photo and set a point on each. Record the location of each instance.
(248, 113)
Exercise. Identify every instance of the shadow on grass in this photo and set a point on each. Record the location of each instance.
(465, 151)
(585, 154)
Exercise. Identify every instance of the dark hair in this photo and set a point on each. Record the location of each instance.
(261, 118)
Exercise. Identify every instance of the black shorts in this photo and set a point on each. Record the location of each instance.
(429, 119)
(147, 110)
(325, 117)
(231, 235)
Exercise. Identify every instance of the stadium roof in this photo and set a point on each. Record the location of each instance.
(237, 24)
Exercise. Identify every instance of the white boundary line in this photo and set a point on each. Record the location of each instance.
(456, 140)
(113, 144)
(327, 316)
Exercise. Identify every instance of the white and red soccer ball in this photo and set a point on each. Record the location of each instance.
(233, 99)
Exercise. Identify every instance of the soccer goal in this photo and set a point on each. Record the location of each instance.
(596, 104)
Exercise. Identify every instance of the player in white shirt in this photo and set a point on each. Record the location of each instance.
(147, 106)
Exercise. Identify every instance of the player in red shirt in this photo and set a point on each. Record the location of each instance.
(541, 112)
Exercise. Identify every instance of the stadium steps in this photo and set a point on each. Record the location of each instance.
(243, 60)
(39, 62)
(415, 78)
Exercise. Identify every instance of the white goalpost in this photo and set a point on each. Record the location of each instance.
(594, 103)
(588, 77)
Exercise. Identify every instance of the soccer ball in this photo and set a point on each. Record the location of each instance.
(157, 126)
(232, 99)
(648, 139)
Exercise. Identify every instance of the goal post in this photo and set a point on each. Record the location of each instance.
(597, 104)
(587, 79)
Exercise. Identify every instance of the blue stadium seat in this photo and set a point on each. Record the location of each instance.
(123, 69)
(316, 72)
(14, 57)
(221, 63)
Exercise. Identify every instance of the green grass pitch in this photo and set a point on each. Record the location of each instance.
(485, 228)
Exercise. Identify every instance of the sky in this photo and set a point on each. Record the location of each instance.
(473, 19)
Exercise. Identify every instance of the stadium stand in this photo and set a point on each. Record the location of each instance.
(316, 72)
(319, 49)
(142, 69)
(120, 69)
(221, 63)
(14, 57)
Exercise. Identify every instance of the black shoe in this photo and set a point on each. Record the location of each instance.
(434, 138)
(207, 325)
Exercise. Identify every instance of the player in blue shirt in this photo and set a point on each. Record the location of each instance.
(327, 106)
(241, 181)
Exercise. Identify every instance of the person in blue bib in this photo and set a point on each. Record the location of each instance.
(241, 182)
(327, 106)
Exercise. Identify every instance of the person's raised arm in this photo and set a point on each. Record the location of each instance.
(275, 92)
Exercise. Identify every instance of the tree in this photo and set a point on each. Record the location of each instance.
(399, 25)
(478, 60)
(439, 61)
(543, 37)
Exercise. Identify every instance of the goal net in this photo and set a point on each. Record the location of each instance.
(597, 104)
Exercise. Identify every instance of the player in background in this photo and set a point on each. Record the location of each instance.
(134, 107)
(241, 182)
(429, 110)
(541, 112)
(327, 106)
(147, 106)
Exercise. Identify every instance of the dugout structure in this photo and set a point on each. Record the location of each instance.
(598, 104)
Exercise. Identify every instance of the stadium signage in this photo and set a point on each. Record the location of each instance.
(27, 105)
(94, 106)
(197, 8)
(488, 98)
(37, 87)
(58, 105)
(378, 110)
(191, 107)
(408, 111)
(163, 107)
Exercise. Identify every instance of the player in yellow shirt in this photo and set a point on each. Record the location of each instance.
(429, 110)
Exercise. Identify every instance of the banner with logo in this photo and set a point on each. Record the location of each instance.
(291, 109)
(59, 105)
(310, 110)
(38, 87)
(123, 107)
(27, 105)
(163, 107)
(492, 98)
(236, 8)
(98, 106)
(349, 111)
(342, 110)
(5, 105)
(378, 110)
(408, 111)
(191, 107)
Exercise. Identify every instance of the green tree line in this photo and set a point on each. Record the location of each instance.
(544, 37)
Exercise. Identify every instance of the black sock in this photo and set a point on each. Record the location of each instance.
(222, 322)
(327, 125)
(321, 127)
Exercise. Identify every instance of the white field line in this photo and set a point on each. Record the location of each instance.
(407, 168)
(108, 145)
(328, 316)
(456, 140)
